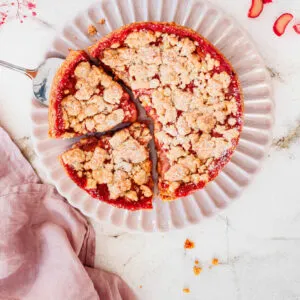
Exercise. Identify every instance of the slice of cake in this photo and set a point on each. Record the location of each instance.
(114, 168)
(85, 99)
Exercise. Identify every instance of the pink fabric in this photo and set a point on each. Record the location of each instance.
(47, 248)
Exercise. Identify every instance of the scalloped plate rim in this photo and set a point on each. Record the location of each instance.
(170, 224)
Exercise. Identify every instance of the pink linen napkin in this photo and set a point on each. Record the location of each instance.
(47, 247)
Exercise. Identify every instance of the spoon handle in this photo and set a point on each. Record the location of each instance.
(30, 73)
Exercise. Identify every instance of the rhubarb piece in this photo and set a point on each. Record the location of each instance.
(281, 23)
(256, 8)
(297, 28)
(267, 1)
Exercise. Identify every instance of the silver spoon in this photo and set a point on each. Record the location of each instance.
(41, 77)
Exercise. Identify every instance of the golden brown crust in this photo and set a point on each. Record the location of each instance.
(52, 113)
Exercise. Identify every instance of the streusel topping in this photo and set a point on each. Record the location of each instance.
(121, 162)
(187, 93)
(94, 105)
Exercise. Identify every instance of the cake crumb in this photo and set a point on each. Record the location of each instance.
(215, 261)
(140, 286)
(196, 262)
(189, 244)
(197, 270)
(92, 30)
(101, 21)
(186, 290)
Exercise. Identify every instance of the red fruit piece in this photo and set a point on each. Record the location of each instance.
(256, 8)
(267, 1)
(297, 28)
(281, 23)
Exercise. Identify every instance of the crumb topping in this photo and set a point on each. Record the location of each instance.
(92, 30)
(197, 270)
(187, 96)
(123, 163)
(94, 106)
(188, 244)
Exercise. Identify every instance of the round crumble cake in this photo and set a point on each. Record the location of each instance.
(190, 91)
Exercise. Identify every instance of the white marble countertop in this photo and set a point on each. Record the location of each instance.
(256, 239)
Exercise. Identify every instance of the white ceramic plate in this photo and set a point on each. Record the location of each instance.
(226, 35)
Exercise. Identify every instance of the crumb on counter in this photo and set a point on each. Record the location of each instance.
(186, 290)
(101, 21)
(286, 141)
(92, 30)
(215, 261)
(197, 270)
(189, 244)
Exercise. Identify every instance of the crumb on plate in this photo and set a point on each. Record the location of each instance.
(196, 262)
(215, 261)
(189, 244)
(197, 270)
(186, 290)
(92, 30)
(101, 21)
(140, 286)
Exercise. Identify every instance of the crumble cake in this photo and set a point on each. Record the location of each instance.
(189, 90)
(114, 168)
(84, 99)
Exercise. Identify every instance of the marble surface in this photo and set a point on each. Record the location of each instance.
(256, 239)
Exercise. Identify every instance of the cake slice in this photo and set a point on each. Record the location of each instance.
(114, 168)
(85, 99)
(190, 91)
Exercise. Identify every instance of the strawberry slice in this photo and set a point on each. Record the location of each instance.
(256, 8)
(281, 23)
(297, 28)
(267, 1)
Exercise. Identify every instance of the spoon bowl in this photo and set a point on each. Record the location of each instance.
(42, 77)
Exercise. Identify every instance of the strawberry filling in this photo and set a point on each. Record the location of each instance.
(101, 193)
